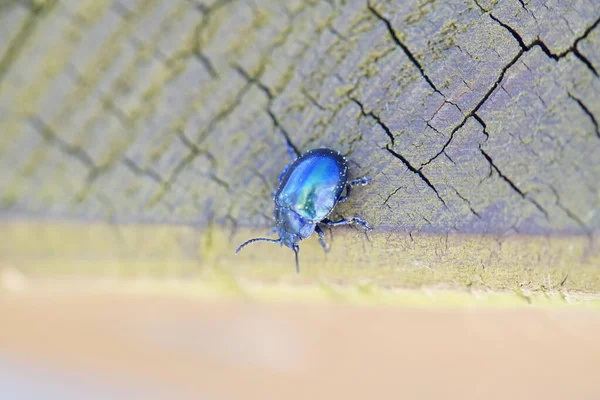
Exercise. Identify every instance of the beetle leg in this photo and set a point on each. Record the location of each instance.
(293, 155)
(322, 238)
(357, 182)
(291, 151)
(284, 171)
(353, 220)
(361, 181)
(345, 197)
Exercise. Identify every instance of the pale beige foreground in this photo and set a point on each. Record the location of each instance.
(175, 348)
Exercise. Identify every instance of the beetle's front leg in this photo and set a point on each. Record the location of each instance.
(354, 220)
(357, 182)
(322, 238)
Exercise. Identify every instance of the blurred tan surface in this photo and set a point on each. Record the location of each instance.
(192, 348)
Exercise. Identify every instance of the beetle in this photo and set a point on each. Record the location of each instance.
(309, 189)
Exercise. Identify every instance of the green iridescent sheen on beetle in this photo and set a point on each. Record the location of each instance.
(314, 184)
(309, 189)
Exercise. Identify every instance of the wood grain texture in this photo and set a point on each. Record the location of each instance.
(473, 117)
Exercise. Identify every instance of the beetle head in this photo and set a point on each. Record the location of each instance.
(291, 228)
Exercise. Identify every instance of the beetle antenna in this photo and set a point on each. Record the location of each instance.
(247, 242)
(296, 249)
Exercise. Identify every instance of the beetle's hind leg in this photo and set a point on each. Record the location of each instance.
(291, 150)
(293, 155)
(361, 181)
(357, 182)
(322, 238)
(282, 174)
(353, 220)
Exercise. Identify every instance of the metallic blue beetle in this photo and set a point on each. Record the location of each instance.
(309, 189)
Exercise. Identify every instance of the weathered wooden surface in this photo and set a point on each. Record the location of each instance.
(474, 117)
